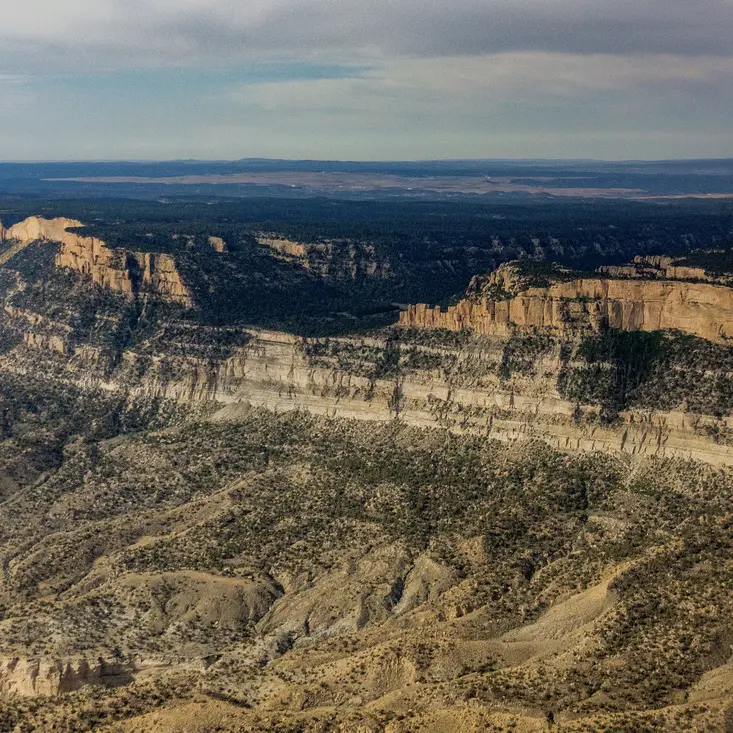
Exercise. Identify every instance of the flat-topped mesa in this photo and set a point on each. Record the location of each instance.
(120, 270)
(514, 299)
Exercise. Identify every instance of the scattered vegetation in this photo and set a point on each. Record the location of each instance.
(521, 353)
(285, 567)
(515, 529)
(657, 371)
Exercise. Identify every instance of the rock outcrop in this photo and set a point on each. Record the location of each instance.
(120, 270)
(218, 244)
(663, 268)
(335, 259)
(36, 228)
(443, 382)
(31, 677)
(507, 303)
(272, 371)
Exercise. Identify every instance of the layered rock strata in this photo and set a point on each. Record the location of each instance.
(273, 371)
(587, 304)
(31, 677)
(462, 390)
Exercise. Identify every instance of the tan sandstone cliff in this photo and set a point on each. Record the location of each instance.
(457, 387)
(585, 303)
(120, 270)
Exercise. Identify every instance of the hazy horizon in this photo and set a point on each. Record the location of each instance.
(254, 158)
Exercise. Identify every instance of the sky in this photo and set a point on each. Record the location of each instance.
(366, 79)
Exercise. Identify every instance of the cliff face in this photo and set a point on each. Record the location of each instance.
(36, 228)
(122, 271)
(587, 304)
(275, 371)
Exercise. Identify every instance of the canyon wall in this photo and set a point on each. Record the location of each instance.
(122, 271)
(281, 371)
(700, 309)
(273, 371)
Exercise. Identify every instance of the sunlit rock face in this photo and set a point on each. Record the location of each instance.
(585, 303)
(120, 270)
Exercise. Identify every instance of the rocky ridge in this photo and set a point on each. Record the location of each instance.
(664, 268)
(122, 271)
(433, 381)
(276, 371)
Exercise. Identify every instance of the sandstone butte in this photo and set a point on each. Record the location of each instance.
(120, 270)
(508, 303)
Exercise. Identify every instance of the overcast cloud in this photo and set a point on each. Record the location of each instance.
(308, 65)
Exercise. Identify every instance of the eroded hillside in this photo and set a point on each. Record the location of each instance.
(407, 529)
(291, 571)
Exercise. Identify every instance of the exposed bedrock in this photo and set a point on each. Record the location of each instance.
(120, 270)
(700, 309)
(274, 372)
(30, 677)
